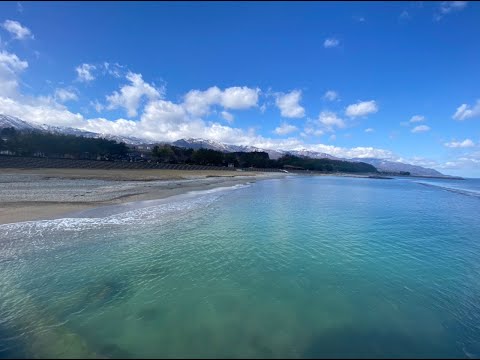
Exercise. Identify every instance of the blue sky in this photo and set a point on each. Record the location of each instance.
(396, 80)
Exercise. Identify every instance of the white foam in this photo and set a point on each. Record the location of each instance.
(173, 205)
(458, 190)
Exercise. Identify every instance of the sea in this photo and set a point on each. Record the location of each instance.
(298, 267)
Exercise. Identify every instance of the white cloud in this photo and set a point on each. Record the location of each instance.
(10, 68)
(130, 95)
(356, 152)
(369, 130)
(17, 30)
(114, 70)
(417, 118)
(330, 43)
(460, 144)
(420, 128)
(41, 110)
(19, 7)
(332, 137)
(64, 95)
(97, 106)
(447, 7)
(198, 102)
(467, 165)
(464, 111)
(330, 120)
(331, 95)
(310, 130)
(228, 117)
(285, 129)
(289, 104)
(84, 72)
(361, 108)
(240, 97)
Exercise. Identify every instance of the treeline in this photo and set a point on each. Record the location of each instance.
(57, 145)
(177, 155)
(34, 143)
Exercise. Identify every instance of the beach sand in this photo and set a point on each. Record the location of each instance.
(39, 194)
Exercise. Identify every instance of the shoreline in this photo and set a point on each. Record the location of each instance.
(46, 194)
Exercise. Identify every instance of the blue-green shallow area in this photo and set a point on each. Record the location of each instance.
(295, 267)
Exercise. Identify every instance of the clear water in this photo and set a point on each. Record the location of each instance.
(294, 267)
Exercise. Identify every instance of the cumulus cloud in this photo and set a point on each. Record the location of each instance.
(420, 128)
(465, 111)
(84, 72)
(228, 117)
(417, 118)
(460, 144)
(447, 7)
(130, 95)
(285, 129)
(361, 108)
(330, 120)
(331, 95)
(10, 68)
(17, 30)
(369, 130)
(199, 103)
(239, 97)
(331, 43)
(64, 95)
(41, 111)
(289, 104)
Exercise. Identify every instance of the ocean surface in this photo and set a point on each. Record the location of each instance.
(297, 267)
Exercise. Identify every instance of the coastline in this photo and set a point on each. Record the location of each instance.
(44, 194)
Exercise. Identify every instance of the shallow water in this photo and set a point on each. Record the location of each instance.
(295, 267)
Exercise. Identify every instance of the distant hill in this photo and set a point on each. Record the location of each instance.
(396, 167)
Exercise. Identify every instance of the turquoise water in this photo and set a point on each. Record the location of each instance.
(294, 267)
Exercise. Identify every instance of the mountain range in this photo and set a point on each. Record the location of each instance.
(381, 164)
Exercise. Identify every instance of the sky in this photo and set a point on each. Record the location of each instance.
(394, 80)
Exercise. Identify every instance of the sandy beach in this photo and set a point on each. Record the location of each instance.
(39, 194)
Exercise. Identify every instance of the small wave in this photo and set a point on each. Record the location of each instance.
(38, 234)
(467, 192)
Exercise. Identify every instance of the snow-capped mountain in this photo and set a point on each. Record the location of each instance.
(215, 145)
(273, 154)
(65, 130)
(7, 121)
(313, 154)
(201, 144)
(394, 166)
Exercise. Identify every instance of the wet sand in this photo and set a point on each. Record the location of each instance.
(39, 194)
